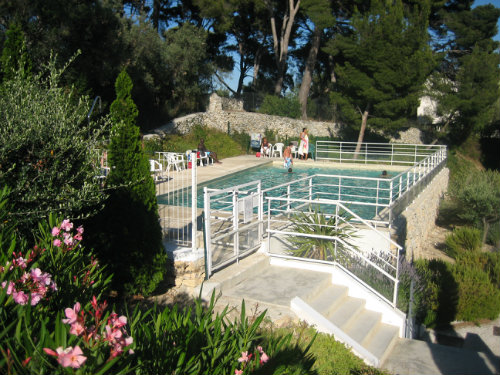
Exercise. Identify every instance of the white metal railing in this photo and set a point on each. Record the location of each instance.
(233, 223)
(375, 153)
(329, 223)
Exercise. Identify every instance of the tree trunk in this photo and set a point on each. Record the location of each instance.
(281, 46)
(256, 67)
(305, 85)
(364, 119)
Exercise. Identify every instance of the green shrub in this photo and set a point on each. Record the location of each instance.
(478, 298)
(215, 140)
(46, 157)
(187, 341)
(285, 107)
(439, 295)
(243, 140)
(463, 239)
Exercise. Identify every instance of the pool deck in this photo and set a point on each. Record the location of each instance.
(242, 162)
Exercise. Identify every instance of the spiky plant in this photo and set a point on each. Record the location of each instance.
(320, 224)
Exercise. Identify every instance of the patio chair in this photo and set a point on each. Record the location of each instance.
(156, 169)
(175, 161)
(277, 149)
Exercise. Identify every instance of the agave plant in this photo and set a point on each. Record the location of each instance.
(318, 223)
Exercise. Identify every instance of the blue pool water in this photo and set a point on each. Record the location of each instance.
(273, 175)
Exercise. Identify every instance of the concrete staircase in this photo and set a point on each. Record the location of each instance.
(312, 297)
(333, 311)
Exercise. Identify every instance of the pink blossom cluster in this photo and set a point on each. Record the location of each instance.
(113, 333)
(34, 284)
(246, 360)
(63, 238)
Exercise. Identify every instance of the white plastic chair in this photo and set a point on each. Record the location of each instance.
(277, 149)
(175, 161)
(155, 168)
(295, 149)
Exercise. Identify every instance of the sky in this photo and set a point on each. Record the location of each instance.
(233, 81)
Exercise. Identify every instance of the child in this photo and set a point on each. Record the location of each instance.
(287, 155)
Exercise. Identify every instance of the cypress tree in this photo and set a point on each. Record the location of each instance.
(132, 242)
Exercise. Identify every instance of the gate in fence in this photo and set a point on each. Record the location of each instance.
(176, 188)
(233, 224)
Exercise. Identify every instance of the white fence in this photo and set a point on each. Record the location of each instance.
(376, 153)
(326, 231)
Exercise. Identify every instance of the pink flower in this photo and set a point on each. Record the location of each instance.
(264, 358)
(66, 225)
(80, 230)
(245, 357)
(57, 242)
(20, 297)
(39, 276)
(71, 357)
(78, 237)
(56, 231)
(35, 298)
(71, 314)
(76, 329)
(50, 352)
(21, 262)
(11, 288)
(68, 241)
(238, 372)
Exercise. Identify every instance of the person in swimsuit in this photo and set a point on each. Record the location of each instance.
(288, 158)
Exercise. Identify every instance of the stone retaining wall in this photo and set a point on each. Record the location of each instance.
(228, 114)
(416, 221)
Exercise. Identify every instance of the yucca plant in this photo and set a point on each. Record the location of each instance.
(321, 224)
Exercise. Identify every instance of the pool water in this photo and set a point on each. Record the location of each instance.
(274, 175)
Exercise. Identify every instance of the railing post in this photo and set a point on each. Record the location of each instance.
(194, 204)
(288, 198)
(340, 153)
(400, 185)
(268, 226)
(392, 153)
(390, 191)
(260, 210)
(236, 245)
(208, 239)
(310, 188)
(376, 199)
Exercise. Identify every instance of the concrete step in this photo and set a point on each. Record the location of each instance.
(362, 327)
(381, 341)
(328, 300)
(347, 310)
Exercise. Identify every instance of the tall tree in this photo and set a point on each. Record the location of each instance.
(467, 86)
(284, 21)
(319, 14)
(382, 65)
(131, 235)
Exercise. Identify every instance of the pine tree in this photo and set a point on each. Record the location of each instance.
(382, 65)
(132, 243)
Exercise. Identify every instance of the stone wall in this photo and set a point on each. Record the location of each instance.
(223, 112)
(417, 220)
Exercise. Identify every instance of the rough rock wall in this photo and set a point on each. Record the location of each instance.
(223, 112)
(417, 220)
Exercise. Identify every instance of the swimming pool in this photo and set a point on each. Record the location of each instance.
(367, 188)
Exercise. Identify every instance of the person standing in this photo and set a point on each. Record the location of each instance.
(288, 158)
(304, 144)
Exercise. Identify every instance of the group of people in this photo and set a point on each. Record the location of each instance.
(303, 150)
